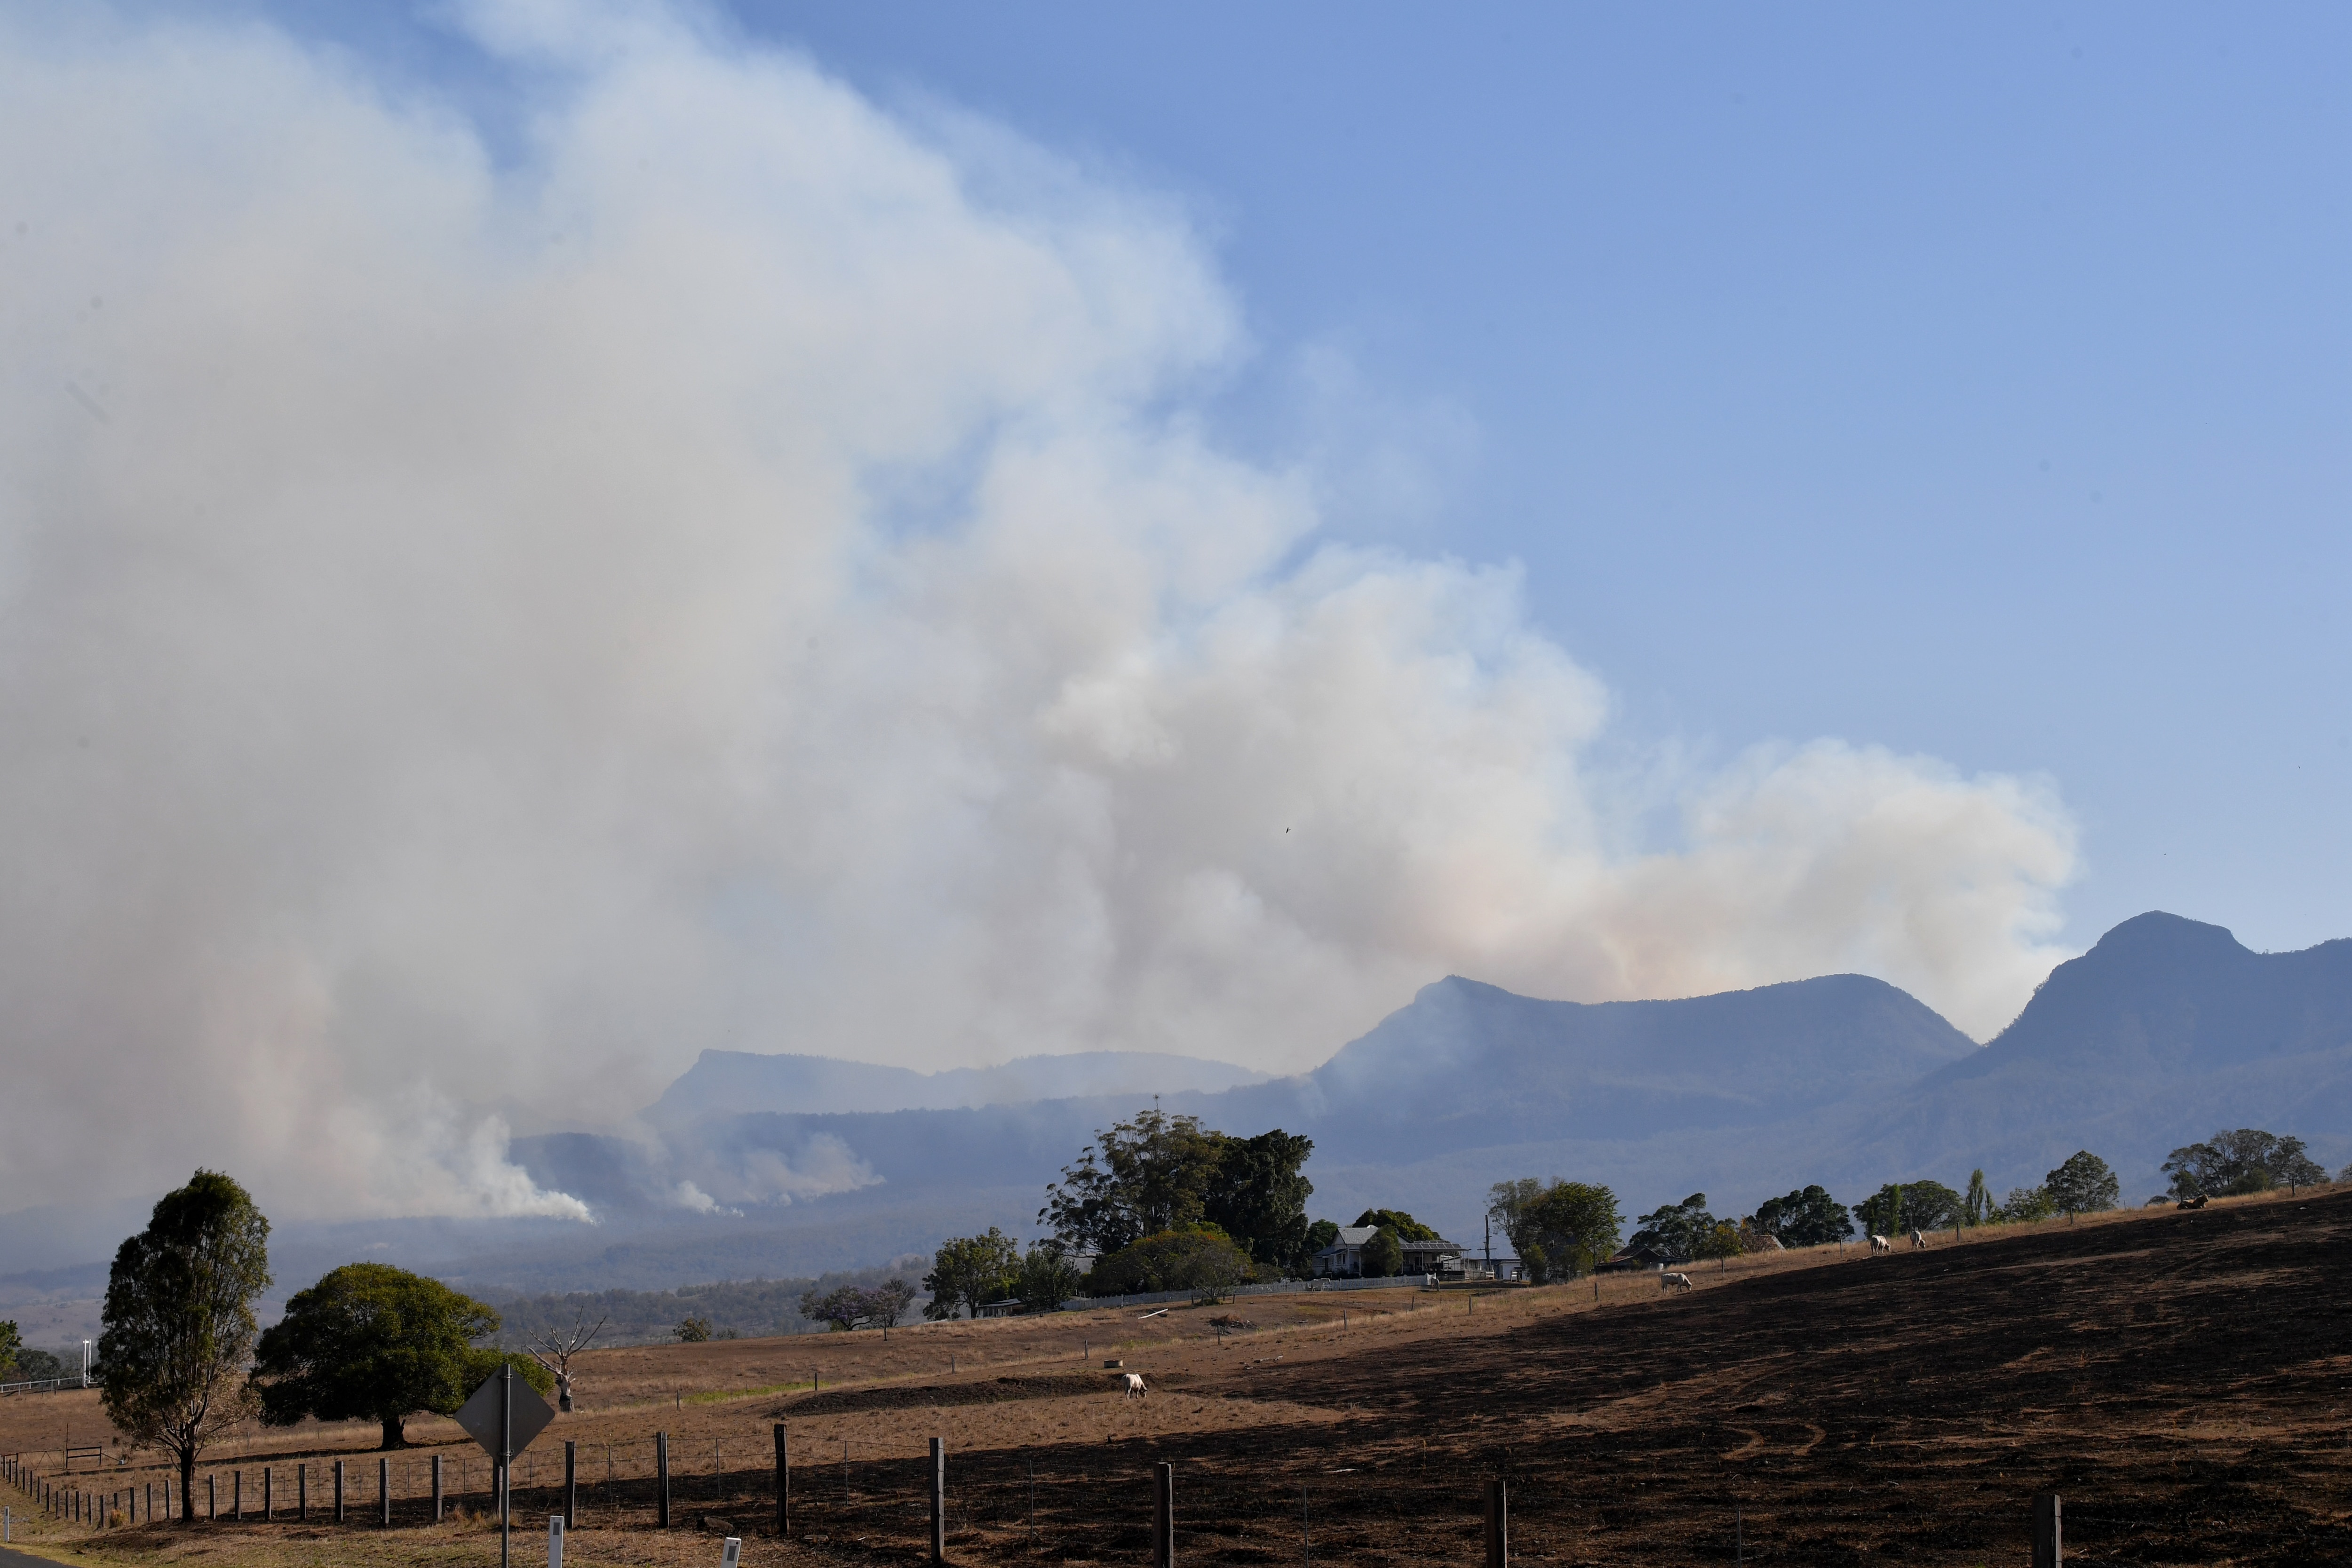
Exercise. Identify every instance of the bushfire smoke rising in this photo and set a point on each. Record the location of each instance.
(744, 574)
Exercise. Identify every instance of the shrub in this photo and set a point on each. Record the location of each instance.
(1201, 1260)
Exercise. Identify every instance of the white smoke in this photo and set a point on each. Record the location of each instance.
(748, 573)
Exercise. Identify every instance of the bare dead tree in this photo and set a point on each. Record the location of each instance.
(554, 1351)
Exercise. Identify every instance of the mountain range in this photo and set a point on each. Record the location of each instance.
(2163, 1032)
(749, 1166)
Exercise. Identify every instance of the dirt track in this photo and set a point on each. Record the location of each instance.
(2182, 1379)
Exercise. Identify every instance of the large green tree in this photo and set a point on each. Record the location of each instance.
(373, 1342)
(2246, 1161)
(1257, 1195)
(1140, 1178)
(1806, 1217)
(970, 1271)
(1160, 1173)
(1397, 1223)
(2083, 1185)
(12, 1345)
(1675, 1231)
(178, 1322)
(1201, 1258)
(1557, 1230)
(1910, 1206)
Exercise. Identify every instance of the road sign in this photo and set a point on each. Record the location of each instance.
(479, 1416)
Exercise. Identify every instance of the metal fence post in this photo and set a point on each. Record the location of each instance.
(2049, 1542)
(338, 1491)
(570, 1484)
(783, 1485)
(384, 1490)
(661, 1471)
(1498, 1524)
(938, 1499)
(302, 1494)
(436, 1488)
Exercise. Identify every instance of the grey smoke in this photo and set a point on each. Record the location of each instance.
(725, 581)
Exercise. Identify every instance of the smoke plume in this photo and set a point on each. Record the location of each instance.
(746, 570)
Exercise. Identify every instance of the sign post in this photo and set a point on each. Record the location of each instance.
(504, 1419)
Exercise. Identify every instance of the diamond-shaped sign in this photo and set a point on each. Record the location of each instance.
(481, 1414)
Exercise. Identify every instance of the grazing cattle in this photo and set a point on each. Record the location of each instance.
(1673, 1282)
(1135, 1389)
(2196, 1203)
(1918, 1240)
(1879, 1244)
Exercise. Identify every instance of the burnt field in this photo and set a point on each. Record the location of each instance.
(2181, 1380)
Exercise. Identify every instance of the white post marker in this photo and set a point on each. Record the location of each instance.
(554, 1540)
(7, 1524)
(733, 1554)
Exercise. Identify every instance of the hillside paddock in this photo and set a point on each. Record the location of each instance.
(2180, 1377)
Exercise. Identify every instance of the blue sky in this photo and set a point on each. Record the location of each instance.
(1975, 384)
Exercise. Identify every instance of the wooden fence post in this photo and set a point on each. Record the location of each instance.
(938, 1499)
(661, 1474)
(269, 1493)
(302, 1494)
(783, 1485)
(338, 1491)
(1163, 1515)
(384, 1490)
(2049, 1536)
(436, 1488)
(570, 1484)
(1498, 1524)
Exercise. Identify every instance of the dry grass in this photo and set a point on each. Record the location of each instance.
(1345, 1383)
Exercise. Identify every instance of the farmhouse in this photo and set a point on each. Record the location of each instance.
(1344, 1258)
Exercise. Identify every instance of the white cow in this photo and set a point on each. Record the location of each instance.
(1673, 1282)
(1879, 1244)
(1135, 1389)
(1918, 1240)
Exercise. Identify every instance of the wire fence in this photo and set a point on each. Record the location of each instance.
(1232, 1502)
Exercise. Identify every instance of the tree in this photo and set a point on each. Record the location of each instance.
(1384, 1255)
(39, 1365)
(1323, 1233)
(971, 1271)
(1806, 1217)
(1723, 1241)
(370, 1342)
(2246, 1161)
(179, 1324)
(1142, 1177)
(888, 1303)
(1402, 1226)
(1160, 1173)
(12, 1345)
(1676, 1230)
(2025, 1204)
(554, 1351)
(1257, 1195)
(1049, 1275)
(2083, 1185)
(691, 1330)
(1977, 1207)
(844, 1307)
(1563, 1228)
(1909, 1206)
(1201, 1258)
